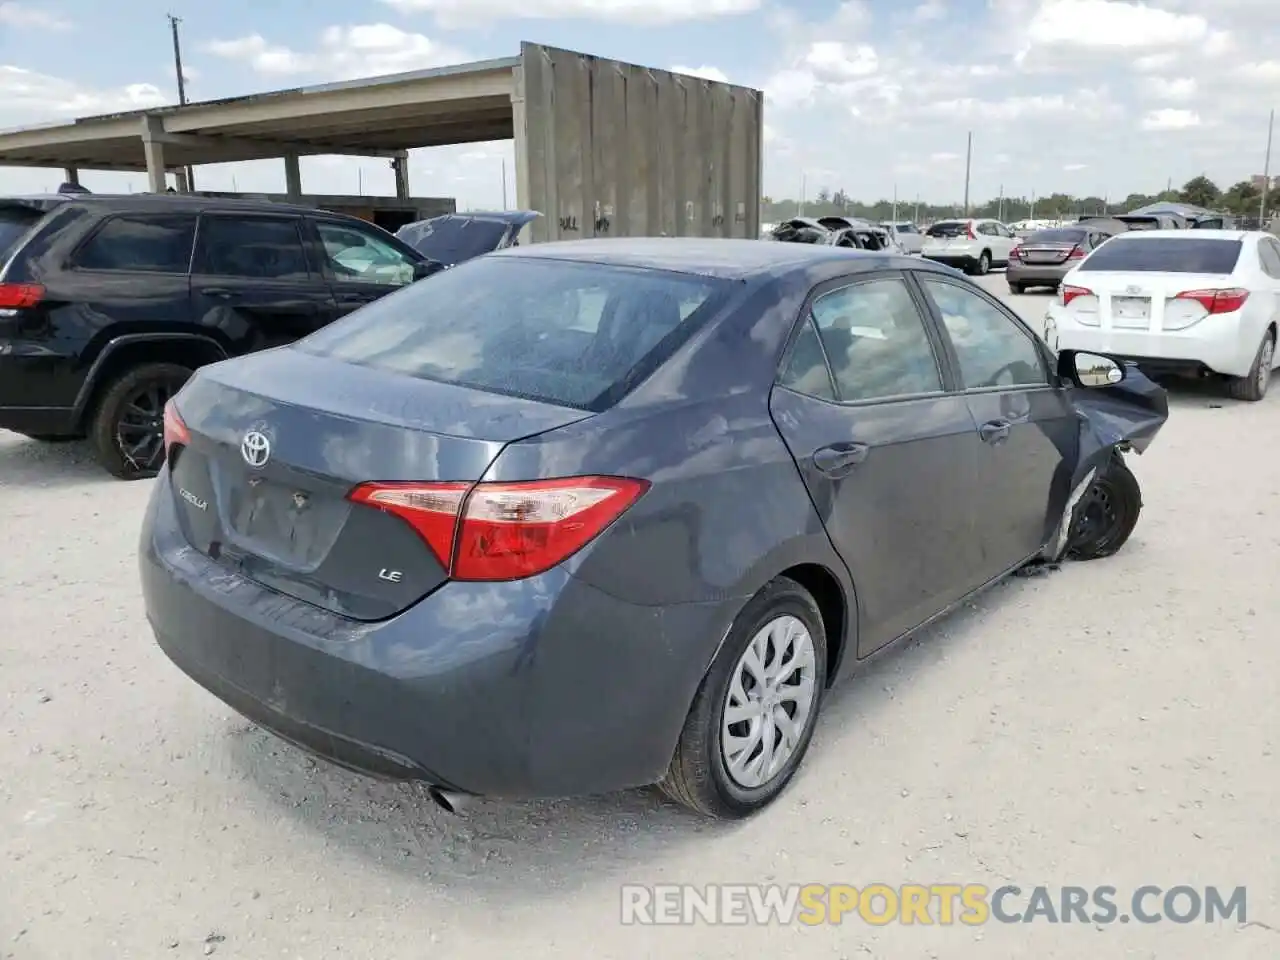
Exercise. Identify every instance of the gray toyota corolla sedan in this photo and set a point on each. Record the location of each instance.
(576, 517)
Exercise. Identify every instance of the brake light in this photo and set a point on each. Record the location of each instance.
(505, 531)
(175, 431)
(1217, 301)
(19, 296)
(1076, 253)
(968, 231)
(1069, 293)
(1015, 253)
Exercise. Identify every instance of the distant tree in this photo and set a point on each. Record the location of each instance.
(1201, 191)
(1135, 200)
(1242, 198)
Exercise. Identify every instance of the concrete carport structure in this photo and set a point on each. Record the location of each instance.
(601, 147)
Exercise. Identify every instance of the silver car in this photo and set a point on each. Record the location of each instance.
(907, 234)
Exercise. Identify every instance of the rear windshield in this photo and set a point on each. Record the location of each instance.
(949, 228)
(1132, 254)
(14, 224)
(573, 334)
(1056, 236)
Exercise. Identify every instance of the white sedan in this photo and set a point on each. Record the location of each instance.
(1198, 302)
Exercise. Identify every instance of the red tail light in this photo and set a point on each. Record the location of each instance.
(505, 531)
(1069, 293)
(175, 431)
(968, 231)
(19, 296)
(1217, 301)
(1015, 253)
(1076, 253)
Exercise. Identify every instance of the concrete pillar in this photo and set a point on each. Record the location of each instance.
(72, 176)
(400, 167)
(292, 177)
(153, 149)
(180, 178)
(520, 124)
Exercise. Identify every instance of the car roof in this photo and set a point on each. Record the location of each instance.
(166, 201)
(1129, 235)
(709, 257)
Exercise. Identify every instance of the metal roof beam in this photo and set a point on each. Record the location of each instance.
(199, 143)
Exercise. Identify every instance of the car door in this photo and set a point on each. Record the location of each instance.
(1026, 423)
(360, 264)
(250, 277)
(1007, 241)
(887, 450)
(1269, 254)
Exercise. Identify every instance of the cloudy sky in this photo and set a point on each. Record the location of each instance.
(1084, 96)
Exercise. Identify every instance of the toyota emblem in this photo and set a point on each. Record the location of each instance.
(255, 448)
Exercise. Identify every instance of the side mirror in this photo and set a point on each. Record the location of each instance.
(1089, 369)
(426, 268)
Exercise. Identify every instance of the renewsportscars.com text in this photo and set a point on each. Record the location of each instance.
(972, 904)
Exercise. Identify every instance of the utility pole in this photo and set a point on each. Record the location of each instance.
(968, 159)
(1266, 175)
(895, 203)
(916, 219)
(804, 185)
(182, 83)
(1000, 208)
(504, 183)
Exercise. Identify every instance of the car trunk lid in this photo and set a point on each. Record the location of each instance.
(1141, 301)
(276, 443)
(1047, 253)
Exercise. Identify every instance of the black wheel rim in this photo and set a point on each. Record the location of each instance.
(1100, 518)
(140, 425)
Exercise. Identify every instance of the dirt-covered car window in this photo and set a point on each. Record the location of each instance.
(355, 254)
(993, 350)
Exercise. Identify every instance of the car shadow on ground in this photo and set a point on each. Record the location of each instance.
(493, 848)
(33, 463)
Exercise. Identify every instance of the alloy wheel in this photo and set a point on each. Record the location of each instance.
(1265, 359)
(140, 426)
(771, 694)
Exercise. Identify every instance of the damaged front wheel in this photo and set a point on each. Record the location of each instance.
(1106, 515)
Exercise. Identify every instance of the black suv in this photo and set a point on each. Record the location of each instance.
(107, 303)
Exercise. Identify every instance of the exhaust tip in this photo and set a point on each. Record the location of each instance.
(448, 801)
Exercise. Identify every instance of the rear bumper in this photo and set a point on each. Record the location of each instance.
(1204, 348)
(1049, 274)
(539, 688)
(961, 260)
(38, 389)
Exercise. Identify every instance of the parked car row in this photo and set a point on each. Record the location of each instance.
(108, 303)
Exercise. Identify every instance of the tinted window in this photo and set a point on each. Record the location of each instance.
(156, 243)
(257, 248)
(875, 341)
(1269, 251)
(14, 225)
(355, 254)
(573, 334)
(1138, 254)
(988, 229)
(948, 228)
(1056, 236)
(992, 349)
(806, 369)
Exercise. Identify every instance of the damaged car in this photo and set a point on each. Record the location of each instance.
(633, 525)
(837, 231)
(454, 238)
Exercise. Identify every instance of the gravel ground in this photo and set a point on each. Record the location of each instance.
(1109, 723)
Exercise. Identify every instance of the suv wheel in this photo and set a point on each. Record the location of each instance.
(753, 716)
(983, 266)
(128, 424)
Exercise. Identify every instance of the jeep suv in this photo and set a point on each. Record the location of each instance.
(108, 303)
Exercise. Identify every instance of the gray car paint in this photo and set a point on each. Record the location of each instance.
(579, 680)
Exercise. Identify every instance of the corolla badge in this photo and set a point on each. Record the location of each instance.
(1132, 289)
(255, 448)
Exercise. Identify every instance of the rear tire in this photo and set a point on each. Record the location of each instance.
(785, 615)
(1253, 387)
(127, 426)
(1104, 518)
(983, 265)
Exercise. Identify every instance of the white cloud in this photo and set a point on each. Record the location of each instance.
(834, 62)
(943, 157)
(930, 10)
(1093, 104)
(1170, 119)
(458, 13)
(706, 73)
(14, 14)
(27, 96)
(1075, 167)
(1113, 23)
(1163, 88)
(345, 52)
(1263, 71)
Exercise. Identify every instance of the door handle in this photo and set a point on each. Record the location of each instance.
(222, 293)
(995, 432)
(839, 458)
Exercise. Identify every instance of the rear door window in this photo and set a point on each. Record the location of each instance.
(139, 243)
(362, 256)
(1138, 254)
(1269, 252)
(252, 248)
(573, 334)
(876, 342)
(948, 228)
